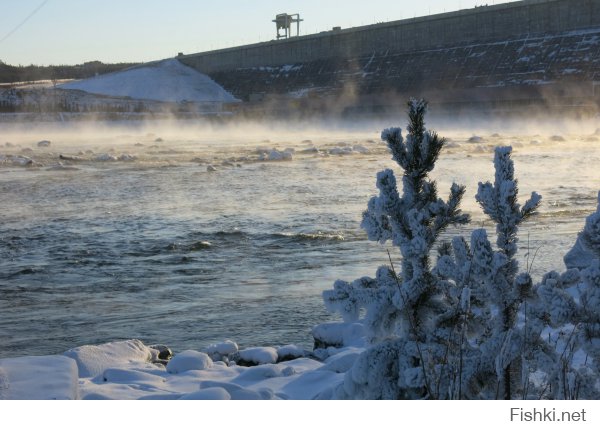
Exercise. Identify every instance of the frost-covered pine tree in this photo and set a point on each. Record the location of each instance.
(402, 308)
(569, 312)
(507, 291)
(587, 246)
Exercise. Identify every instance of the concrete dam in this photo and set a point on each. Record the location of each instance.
(526, 55)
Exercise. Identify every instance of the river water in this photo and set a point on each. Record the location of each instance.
(186, 236)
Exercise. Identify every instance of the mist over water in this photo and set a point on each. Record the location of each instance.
(185, 235)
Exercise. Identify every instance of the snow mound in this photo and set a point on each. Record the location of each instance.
(165, 81)
(214, 393)
(308, 386)
(189, 360)
(93, 360)
(342, 361)
(338, 334)
(39, 378)
(259, 355)
(289, 352)
(219, 350)
(237, 392)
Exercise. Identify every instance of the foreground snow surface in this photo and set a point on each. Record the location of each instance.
(128, 370)
(165, 81)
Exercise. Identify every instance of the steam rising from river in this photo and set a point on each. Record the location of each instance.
(188, 233)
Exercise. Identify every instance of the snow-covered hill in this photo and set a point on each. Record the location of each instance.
(165, 81)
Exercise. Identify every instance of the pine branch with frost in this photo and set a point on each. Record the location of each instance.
(499, 201)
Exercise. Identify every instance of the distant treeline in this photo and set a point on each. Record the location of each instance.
(9, 74)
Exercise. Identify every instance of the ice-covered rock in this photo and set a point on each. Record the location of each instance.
(275, 155)
(211, 168)
(557, 138)
(70, 157)
(92, 360)
(189, 360)
(341, 150)
(127, 157)
(16, 160)
(39, 378)
(105, 157)
(222, 349)
(361, 149)
(160, 353)
(289, 352)
(310, 150)
(256, 356)
(44, 143)
(476, 139)
(61, 166)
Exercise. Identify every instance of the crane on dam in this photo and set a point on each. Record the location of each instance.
(284, 21)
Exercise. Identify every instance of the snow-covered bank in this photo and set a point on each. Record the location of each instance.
(131, 370)
(165, 81)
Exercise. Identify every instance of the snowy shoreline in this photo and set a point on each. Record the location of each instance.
(127, 370)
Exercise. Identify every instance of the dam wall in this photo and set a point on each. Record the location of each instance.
(482, 24)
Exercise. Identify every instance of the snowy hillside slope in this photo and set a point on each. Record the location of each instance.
(165, 81)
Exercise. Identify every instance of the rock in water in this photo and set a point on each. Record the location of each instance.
(163, 354)
(44, 143)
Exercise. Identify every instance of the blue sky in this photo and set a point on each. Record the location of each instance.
(75, 31)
